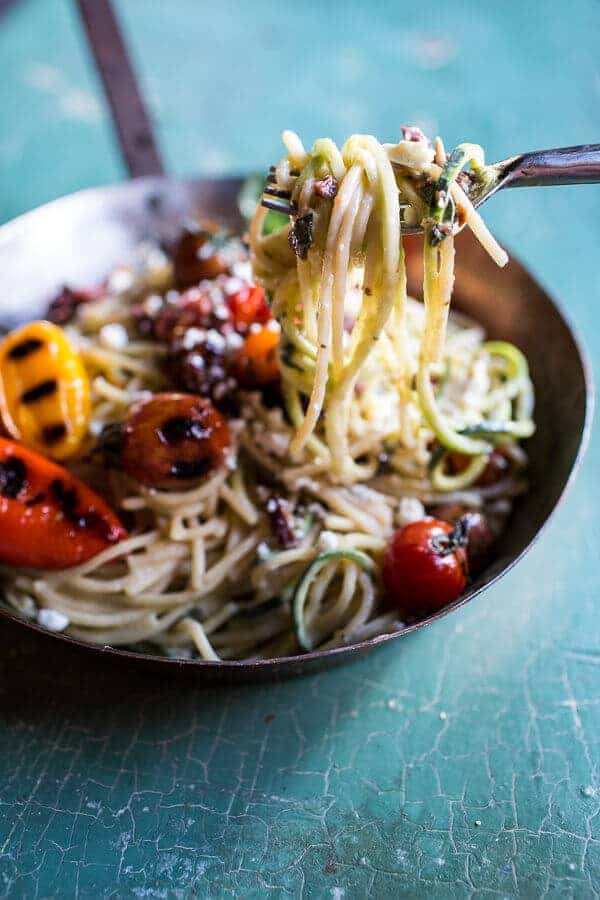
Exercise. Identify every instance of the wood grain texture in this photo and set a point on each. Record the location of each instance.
(370, 779)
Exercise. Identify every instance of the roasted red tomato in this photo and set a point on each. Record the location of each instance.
(425, 566)
(173, 438)
(195, 258)
(248, 305)
(257, 364)
(48, 518)
(497, 467)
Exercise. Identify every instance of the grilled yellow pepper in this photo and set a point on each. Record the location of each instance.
(44, 390)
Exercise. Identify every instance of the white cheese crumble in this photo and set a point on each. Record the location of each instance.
(193, 337)
(114, 336)
(328, 541)
(95, 427)
(242, 270)
(263, 551)
(233, 285)
(234, 340)
(153, 304)
(215, 339)
(410, 509)
(120, 280)
(52, 619)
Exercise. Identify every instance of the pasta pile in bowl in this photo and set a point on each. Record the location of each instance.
(256, 446)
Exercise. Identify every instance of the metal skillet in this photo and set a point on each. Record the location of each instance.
(79, 238)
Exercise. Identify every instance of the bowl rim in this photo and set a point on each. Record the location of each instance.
(347, 650)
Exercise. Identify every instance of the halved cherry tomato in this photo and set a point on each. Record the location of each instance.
(173, 438)
(256, 364)
(248, 305)
(194, 258)
(48, 518)
(425, 566)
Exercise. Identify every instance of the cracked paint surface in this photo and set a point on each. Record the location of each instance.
(460, 763)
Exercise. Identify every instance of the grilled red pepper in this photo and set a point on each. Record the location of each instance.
(48, 518)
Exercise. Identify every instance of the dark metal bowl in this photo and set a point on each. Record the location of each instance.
(79, 238)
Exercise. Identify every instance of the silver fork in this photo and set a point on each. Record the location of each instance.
(539, 168)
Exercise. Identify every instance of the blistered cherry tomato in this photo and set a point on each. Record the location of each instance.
(425, 566)
(480, 538)
(256, 364)
(248, 305)
(173, 438)
(496, 468)
(195, 259)
(48, 518)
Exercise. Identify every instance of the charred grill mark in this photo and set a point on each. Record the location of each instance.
(33, 501)
(182, 428)
(65, 497)
(68, 502)
(13, 477)
(277, 192)
(184, 469)
(43, 389)
(25, 348)
(52, 434)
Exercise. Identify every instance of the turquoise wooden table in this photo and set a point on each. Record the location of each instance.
(462, 762)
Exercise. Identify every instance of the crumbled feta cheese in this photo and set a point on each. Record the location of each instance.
(196, 361)
(327, 541)
(120, 280)
(273, 325)
(95, 427)
(221, 312)
(263, 551)
(193, 337)
(215, 339)
(52, 619)
(205, 251)
(114, 336)
(233, 285)
(234, 340)
(242, 270)
(410, 509)
(255, 328)
(152, 304)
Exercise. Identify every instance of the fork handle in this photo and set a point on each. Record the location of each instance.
(565, 165)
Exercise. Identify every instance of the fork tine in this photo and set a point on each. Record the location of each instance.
(278, 206)
(277, 192)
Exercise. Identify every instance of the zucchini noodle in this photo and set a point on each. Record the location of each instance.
(380, 395)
